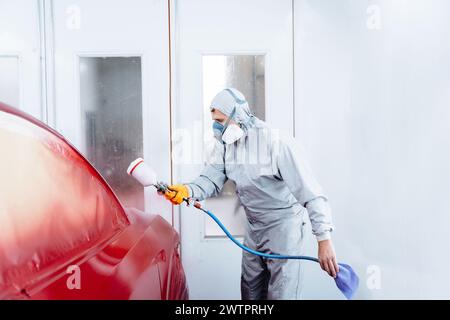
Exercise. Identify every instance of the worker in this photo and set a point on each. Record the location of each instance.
(276, 188)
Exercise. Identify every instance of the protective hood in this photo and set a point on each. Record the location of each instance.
(233, 104)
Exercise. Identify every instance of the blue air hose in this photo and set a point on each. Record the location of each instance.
(261, 254)
(346, 280)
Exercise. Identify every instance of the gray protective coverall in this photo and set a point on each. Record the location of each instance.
(277, 189)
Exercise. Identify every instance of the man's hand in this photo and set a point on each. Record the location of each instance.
(327, 258)
(177, 193)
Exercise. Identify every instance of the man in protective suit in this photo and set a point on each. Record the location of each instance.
(277, 190)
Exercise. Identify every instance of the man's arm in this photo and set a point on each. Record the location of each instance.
(295, 171)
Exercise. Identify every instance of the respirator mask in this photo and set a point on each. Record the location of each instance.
(229, 133)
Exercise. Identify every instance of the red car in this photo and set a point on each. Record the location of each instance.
(64, 233)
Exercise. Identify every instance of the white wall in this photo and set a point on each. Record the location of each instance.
(372, 94)
(9, 80)
(20, 66)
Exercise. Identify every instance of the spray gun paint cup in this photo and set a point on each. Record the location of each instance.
(142, 172)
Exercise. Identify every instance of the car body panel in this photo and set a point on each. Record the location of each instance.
(63, 232)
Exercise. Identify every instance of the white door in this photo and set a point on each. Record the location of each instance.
(248, 45)
(112, 89)
(20, 64)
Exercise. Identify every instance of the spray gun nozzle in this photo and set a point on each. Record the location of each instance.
(161, 187)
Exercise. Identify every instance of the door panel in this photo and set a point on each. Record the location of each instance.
(20, 64)
(206, 28)
(123, 104)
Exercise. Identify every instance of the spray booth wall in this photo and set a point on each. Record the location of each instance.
(372, 96)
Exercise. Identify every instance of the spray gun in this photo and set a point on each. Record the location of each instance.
(147, 177)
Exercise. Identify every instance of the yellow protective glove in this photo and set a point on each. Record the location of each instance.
(177, 193)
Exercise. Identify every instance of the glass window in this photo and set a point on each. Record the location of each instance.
(245, 73)
(9, 80)
(111, 104)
